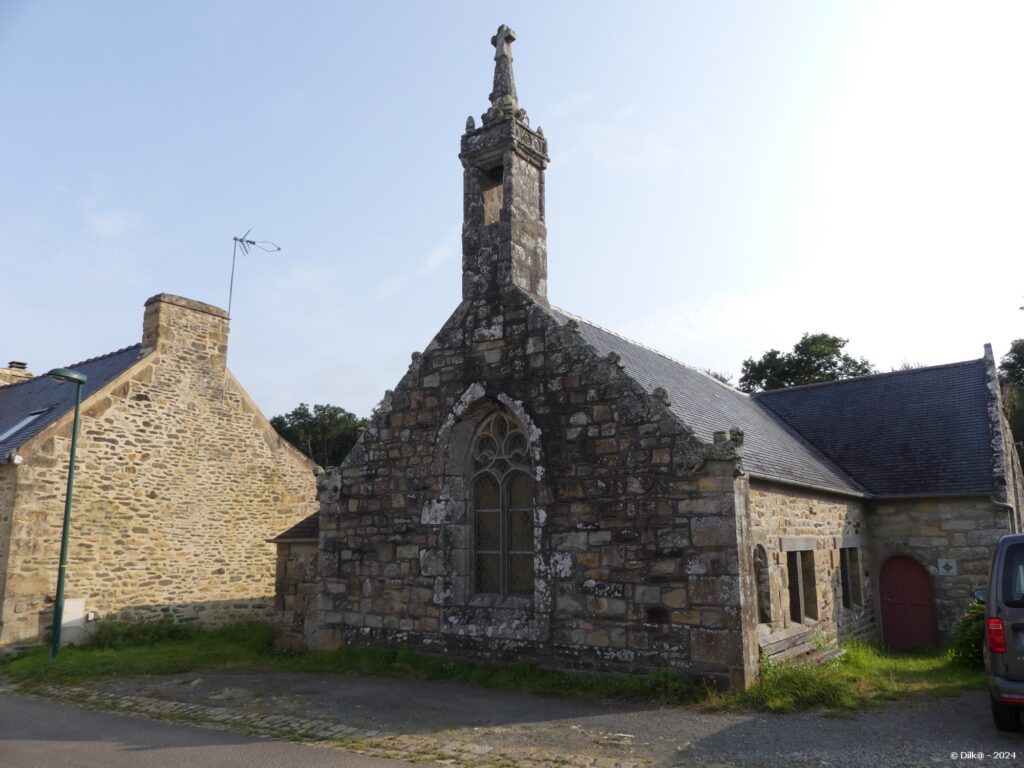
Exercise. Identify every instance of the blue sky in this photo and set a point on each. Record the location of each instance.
(724, 176)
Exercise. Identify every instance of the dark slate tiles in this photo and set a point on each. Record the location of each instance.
(916, 432)
(51, 399)
(706, 405)
(304, 529)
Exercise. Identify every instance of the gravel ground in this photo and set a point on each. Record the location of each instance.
(925, 732)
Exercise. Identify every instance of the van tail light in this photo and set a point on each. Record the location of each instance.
(996, 635)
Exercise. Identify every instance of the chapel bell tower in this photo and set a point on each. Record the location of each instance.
(504, 238)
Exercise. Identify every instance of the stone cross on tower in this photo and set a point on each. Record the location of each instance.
(504, 238)
(502, 41)
(504, 102)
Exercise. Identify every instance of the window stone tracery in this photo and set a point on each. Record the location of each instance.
(503, 501)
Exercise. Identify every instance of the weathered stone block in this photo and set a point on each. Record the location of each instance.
(712, 531)
(714, 590)
(713, 646)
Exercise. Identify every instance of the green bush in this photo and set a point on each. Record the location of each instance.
(126, 634)
(968, 637)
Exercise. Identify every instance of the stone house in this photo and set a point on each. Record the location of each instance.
(536, 485)
(180, 481)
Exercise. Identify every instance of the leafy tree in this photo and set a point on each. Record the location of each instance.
(816, 357)
(325, 434)
(725, 378)
(1011, 375)
(1011, 367)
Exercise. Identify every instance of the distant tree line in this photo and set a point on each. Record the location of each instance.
(326, 433)
(815, 358)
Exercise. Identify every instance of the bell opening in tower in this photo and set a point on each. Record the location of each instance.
(492, 185)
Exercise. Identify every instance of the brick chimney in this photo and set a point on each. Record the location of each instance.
(191, 330)
(14, 372)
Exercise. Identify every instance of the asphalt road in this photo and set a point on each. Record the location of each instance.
(920, 732)
(43, 734)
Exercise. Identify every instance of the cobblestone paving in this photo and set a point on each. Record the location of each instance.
(451, 748)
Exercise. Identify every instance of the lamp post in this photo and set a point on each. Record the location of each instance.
(78, 379)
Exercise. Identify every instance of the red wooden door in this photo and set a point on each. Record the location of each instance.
(908, 610)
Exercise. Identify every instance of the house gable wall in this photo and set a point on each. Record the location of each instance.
(179, 484)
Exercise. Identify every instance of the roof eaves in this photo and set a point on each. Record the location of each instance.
(283, 538)
(809, 486)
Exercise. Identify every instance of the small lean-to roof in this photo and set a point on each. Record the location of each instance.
(48, 400)
(907, 433)
(772, 449)
(307, 529)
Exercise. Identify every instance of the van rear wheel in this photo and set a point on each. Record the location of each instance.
(1005, 716)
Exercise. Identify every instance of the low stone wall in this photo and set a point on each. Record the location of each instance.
(964, 530)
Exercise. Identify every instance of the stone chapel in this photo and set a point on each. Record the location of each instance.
(537, 486)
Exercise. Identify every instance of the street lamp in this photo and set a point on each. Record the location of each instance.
(78, 379)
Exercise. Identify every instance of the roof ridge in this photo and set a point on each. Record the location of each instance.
(8, 387)
(108, 354)
(650, 349)
(835, 382)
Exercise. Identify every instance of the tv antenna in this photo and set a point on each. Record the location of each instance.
(244, 245)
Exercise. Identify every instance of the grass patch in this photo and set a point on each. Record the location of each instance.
(156, 648)
(127, 650)
(864, 676)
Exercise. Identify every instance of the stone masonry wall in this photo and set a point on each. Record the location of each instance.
(961, 529)
(785, 518)
(635, 522)
(295, 591)
(180, 484)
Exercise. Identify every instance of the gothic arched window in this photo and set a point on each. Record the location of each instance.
(503, 489)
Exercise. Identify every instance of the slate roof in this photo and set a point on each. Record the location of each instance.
(52, 399)
(772, 449)
(302, 530)
(922, 431)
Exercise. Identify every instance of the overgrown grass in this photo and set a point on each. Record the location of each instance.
(864, 676)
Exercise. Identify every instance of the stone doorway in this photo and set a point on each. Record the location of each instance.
(908, 608)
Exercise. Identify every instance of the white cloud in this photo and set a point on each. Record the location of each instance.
(109, 224)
